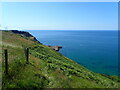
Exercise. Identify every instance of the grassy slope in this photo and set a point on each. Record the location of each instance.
(47, 68)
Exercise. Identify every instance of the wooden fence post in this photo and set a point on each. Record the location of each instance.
(6, 62)
(27, 55)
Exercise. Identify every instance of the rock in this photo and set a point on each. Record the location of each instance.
(25, 34)
(56, 48)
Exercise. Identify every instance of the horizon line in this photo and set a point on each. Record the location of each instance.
(59, 30)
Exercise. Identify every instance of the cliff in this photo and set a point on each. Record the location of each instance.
(30, 36)
(25, 34)
(46, 68)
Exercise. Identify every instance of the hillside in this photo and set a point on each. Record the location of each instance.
(46, 68)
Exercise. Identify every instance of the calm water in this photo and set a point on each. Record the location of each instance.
(95, 50)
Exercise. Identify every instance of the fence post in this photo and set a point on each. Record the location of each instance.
(6, 62)
(27, 55)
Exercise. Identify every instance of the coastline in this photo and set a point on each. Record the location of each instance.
(56, 48)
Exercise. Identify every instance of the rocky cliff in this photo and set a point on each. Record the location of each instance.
(25, 34)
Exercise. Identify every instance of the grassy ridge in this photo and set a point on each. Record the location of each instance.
(47, 68)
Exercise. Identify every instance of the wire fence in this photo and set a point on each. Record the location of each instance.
(9, 57)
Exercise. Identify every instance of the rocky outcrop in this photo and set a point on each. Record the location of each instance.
(25, 34)
(56, 48)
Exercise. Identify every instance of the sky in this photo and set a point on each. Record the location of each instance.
(60, 15)
(60, 0)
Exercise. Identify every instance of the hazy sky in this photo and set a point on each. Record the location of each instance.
(60, 15)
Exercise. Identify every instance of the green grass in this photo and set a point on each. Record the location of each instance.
(47, 68)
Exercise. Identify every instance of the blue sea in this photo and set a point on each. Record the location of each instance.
(96, 50)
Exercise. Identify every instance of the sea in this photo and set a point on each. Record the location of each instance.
(97, 50)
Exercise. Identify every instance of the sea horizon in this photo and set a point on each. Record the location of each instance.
(67, 30)
(60, 45)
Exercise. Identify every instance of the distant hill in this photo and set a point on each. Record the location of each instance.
(47, 68)
(26, 34)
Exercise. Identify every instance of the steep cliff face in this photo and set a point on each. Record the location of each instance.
(25, 34)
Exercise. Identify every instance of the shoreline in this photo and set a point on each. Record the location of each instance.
(56, 48)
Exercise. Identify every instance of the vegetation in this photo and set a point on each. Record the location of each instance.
(47, 68)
